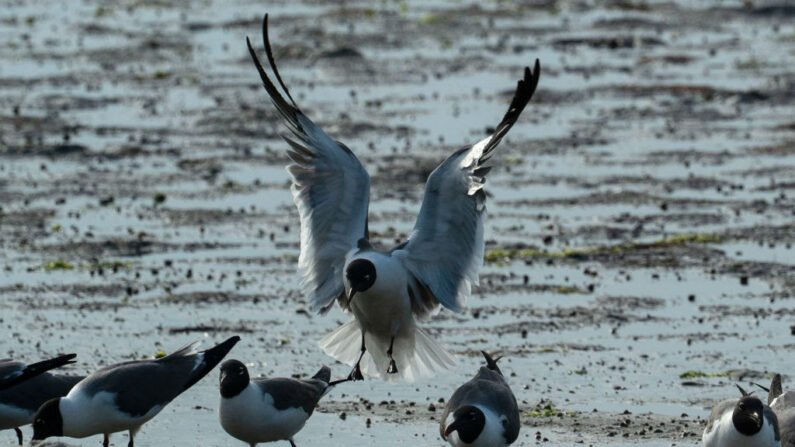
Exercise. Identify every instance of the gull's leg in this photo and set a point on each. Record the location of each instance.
(392, 369)
(292, 443)
(106, 440)
(19, 434)
(356, 373)
(131, 443)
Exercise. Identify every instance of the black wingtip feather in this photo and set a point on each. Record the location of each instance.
(46, 365)
(289, 111)
(35, 369)
(272, 61)
(775, 389)
(323, 374)
(525, 88)
(212, 357)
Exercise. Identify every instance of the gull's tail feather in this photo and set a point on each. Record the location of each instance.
(416, 354)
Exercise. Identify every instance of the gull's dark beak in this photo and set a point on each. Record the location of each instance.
(351, 294)
(451, 428)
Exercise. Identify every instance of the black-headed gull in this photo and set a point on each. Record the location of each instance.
(743, 422)
(19, 402)
(123, 397)
(267, 409)
(482, 412)
(385, 290)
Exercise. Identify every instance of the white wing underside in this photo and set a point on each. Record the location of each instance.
(331, 190)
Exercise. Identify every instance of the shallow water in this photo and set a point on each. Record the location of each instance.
(652, 120)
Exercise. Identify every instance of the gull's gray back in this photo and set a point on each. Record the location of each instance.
(141, 385)
(9, 367)
(33, 392)
(292, 393)
(784, 406)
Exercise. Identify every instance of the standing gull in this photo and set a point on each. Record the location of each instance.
(385, 290)
(482, 412)
(19, 402)
(267, 410)
(743, 422)
(123, 397)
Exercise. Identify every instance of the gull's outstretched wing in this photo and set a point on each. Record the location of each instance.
(331, 190)
(445, 249)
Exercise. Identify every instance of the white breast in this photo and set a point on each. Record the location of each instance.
(85, 415)
(724, 434)
(251, 417)
(491, 436)
(385, 308)
(12, 417)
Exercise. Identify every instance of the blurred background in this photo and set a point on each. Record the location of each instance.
(639, 239)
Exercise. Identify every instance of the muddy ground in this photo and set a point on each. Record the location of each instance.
(640, 228)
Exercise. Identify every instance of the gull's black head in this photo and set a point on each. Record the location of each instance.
(748, 415)
(361, 275)
(234, 378)
(468, 421)
(48, 421)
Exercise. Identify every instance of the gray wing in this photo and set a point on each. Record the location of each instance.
(12, 373)
(31, 393)
(291, 393)
(784, 407)
(717, 412)
(445, 250)
(786, 423)
(489, 389)
(142, 385)
(769, 415)
(331, 190)
(783, 401)
(10, 369)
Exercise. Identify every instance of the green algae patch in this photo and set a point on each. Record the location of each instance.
(504, 255)
(565, 290)
(58, 265)
(546, 410)
(692, 238)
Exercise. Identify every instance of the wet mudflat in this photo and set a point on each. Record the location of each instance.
(640, 228)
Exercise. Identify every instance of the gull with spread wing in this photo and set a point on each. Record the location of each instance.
(385, 290)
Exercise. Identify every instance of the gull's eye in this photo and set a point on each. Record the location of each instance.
(741, 406)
